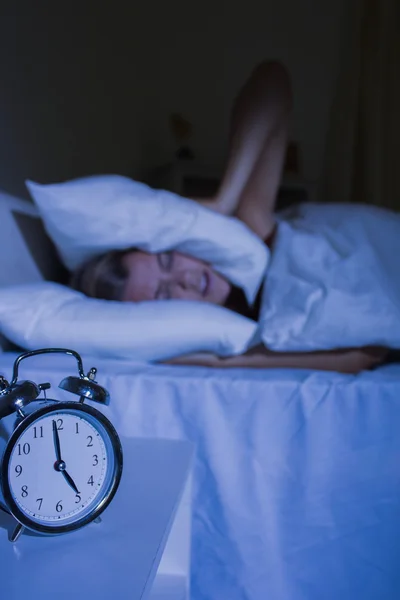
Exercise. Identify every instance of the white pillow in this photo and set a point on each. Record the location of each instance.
(333, 280)
(89, 216)
(48, 314)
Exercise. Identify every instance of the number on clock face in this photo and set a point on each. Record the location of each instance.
(55, 486)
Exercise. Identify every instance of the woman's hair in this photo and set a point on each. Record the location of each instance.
(103, 277)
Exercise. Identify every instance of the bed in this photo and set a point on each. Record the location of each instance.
(296, 480)
(296, 488)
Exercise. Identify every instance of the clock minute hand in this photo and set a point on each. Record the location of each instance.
(56, 441)
(60, 465)
(70, 481)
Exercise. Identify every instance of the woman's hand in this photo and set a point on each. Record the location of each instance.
(362, 359)
(352, 361)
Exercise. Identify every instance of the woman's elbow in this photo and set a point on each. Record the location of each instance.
(274, 72)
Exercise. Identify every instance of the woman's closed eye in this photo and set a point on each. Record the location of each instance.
(165, 262)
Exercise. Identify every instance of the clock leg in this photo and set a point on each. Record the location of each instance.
(98, 520)
(17, 532)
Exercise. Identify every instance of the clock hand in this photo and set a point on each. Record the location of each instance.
(70, 481)
(60, 464)
(56, 442)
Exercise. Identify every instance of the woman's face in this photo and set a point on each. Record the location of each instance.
(171, 275)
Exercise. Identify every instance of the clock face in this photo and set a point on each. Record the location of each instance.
(62, 466)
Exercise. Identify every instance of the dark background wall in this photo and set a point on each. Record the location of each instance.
(89, 88)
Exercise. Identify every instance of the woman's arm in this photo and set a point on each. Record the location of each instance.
(258, 144)
(352, 360)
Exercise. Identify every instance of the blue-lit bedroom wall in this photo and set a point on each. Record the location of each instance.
(90, 90)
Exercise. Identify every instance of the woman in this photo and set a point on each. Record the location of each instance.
(258, 141)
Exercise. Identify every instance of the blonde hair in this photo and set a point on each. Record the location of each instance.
(103, 277)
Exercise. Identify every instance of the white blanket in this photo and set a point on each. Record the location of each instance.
(334, 280)
(296, 479)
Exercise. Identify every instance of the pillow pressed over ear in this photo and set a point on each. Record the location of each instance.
(89, 216)
(48, 314)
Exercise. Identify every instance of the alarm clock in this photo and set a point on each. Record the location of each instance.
(62, 461)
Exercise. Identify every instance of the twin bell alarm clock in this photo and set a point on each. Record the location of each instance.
(62, 461)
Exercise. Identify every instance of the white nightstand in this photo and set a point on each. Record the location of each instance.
(140, 550)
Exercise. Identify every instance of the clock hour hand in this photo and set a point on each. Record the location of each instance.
(56, 439)
(70, 481)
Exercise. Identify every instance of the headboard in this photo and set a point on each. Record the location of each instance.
(26, 252)
(27, 255)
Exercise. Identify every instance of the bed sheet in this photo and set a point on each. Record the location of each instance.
(297, 475)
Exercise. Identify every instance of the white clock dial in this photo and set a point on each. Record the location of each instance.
(60, 467)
